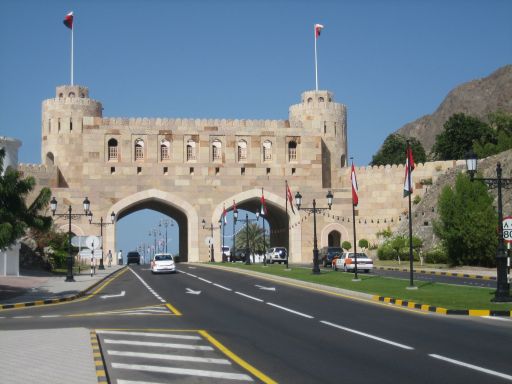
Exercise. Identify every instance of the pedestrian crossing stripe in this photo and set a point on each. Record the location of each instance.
(152, 310)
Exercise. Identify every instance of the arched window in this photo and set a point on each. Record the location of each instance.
(320, 99)
(165, 150)
(71, 94)
(292, 150)
(139, 150)
(191, 150)
(310, 99)
(267, 150)
(61, 95)
(216, 150)
(112, 150)
(50, 160)
(242, 150)
(334, 239)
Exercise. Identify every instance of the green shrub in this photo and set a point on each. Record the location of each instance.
(346, 245)
(386, 252)
(436, 255)
(416, 200)
(363, 243)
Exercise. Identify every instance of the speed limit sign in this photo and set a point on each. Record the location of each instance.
(507, 229)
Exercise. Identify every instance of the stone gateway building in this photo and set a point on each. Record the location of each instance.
(191, 169)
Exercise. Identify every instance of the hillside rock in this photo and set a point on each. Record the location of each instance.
(477, 98)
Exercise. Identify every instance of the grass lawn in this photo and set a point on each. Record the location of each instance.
(435, 294)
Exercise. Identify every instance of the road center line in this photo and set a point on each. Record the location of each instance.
(367, 335)
(206, 281)
(291, 311)
(249, 297)
(147, 286)
(223, 287)
(471, 366)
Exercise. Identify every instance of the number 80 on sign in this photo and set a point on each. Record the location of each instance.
(507, 229)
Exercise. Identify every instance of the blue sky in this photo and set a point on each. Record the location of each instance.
(389, 61)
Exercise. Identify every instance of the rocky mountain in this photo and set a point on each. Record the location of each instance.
(477, 98)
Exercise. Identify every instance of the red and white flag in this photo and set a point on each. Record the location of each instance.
(263, 209)
(318, 29)
(355, 197)
(234, 207)
(68, 20)
(289, 196)
(409, 165)
(225, 214)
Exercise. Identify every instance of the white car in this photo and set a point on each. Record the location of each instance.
(163, 262)
(347, 262)
(277, 254)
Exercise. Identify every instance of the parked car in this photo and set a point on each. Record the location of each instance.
(277, 254)
(239, 254)
(347, 262)
(225, 252)
(163, 262)
(132, 257)
(327, 254)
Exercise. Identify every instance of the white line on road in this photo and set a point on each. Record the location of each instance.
(471, 366)
(183, 371)
(223, 287)
(291, 311)
(367, 335)
(206, 281)
(166, 356)
(147, 286)
(162, 345)
(21, 317)
(48, 316)
(190, 274)
(249, 297)
(149, 334)
(498, 318)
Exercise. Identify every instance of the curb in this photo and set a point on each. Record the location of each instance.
(450, 274)
(60, 299)
(99, 365)
(440, 310)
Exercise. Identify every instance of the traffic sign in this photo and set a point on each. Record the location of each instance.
(93, 242)
(208, 240)
(507, 229)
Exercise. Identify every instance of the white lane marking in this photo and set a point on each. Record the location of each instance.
(206, 281)
(149, 334)
(367, 335)
(48, 316)
(192, 292)
(471, 366)
(21, 317)
(183, 371)
(162, 345)
(190, 274)
(498, 318)
(170, 357)
(147, 286)
(291, 311)
(265, 288)
(249, 297)
(223, 287)
(109, 296)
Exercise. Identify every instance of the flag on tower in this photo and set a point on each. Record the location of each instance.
(318, 29)
(355, 197)
(225, 214)
(263, 209)
(289, 196)
(68, 20)
(409, 167)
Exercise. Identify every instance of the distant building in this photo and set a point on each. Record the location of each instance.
(11, 146)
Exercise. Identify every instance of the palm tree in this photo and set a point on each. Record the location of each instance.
(15, 216)
(255, 238)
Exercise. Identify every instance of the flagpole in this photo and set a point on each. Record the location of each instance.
(72, 33)
(411, 258)
(316, 61)
(354, 229)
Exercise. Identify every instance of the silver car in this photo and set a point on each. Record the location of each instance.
(277, 254)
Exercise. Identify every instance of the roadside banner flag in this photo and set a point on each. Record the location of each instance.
(68, 20)
(263, 210)
(289, 196)
(355, 197)
(318, 30)
(409, 167)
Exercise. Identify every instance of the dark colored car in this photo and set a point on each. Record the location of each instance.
(329, 253)
(133, 257)
(239, 254)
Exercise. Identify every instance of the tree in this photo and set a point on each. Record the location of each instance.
(459, 134)
(467, 223)
(363, 243)
(393, 150)
(346, 245)
(501, 123)
(15, 216)
(255, 238)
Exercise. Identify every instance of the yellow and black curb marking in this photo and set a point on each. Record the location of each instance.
(440, 310)
(62, 299)
(101, 373)
(438, 273)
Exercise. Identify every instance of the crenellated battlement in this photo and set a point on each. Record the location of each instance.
(59, 101)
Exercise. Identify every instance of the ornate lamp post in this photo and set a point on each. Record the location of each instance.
(247, 253)
(70, 215)
(154, 232)
(502, 285)
(235, 218)
(101, 225)
(314, 210)
(212, 258)
(165, 223)
(258, 214)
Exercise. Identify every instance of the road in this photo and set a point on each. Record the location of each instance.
(208, 325)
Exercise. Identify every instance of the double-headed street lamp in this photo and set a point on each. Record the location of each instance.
(235, 218)
(298, 203)
(101, 225)
(212, 257)
(165, 223)
(258, 214)
(70, 215)
(502, 285)
(247, 220)
(154, 232)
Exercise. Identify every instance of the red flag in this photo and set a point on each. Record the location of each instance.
(355, 197)
(234, 206)
(224, 214)
(289, 196)
(68, 20)
(318, 29)
(263, 210)
(409, 165)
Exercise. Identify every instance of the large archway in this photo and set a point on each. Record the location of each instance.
(168, 204)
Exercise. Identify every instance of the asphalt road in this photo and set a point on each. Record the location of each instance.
(227, 327)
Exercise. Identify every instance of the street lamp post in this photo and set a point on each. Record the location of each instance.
(70, 215)
(246, 221)
(258, 214)
(154, 232)
(235, 218)
(314, 210)
(502, 285)
(101, 225)
(165, 223)
(212, 257)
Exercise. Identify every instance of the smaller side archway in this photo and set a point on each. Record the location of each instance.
(330, 233)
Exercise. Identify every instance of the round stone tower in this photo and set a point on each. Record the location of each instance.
(319, 113)
(64, 119)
